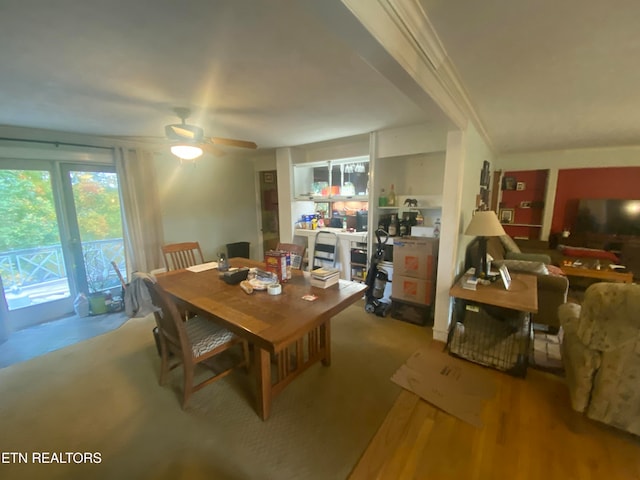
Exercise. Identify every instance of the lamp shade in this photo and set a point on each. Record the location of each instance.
(186, 152)
(485, 224)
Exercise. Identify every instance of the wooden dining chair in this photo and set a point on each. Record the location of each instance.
(190, 343)
(297, 253)
(182, 255)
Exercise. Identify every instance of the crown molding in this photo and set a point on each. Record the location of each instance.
(403, 28)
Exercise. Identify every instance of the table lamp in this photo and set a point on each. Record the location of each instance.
(484, 224)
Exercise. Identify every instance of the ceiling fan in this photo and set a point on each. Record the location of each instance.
(189, 141)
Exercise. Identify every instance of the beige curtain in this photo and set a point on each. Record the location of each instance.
(143, 235)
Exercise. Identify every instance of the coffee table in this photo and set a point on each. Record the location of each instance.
(605, 274)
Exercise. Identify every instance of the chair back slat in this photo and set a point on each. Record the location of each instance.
(178, 256)
(168, 319)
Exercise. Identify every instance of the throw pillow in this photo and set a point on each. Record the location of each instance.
(538, 268)
(509, 244)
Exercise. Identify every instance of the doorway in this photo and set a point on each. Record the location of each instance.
(269, 209)
(61, 229)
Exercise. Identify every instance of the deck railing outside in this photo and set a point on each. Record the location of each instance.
(36, 275)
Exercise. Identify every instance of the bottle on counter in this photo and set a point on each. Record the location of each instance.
(391, 197)
(382, 199)
(436, 228)
(419, 219)
(404, 228)
(393, 226)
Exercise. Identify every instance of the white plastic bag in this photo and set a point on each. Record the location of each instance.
(81, 305)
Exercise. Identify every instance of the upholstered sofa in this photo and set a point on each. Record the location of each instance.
(601, 354)
(552, 284)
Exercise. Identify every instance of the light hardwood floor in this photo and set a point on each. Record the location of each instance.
(529, 432)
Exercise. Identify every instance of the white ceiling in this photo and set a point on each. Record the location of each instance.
(543, 74)
(547, 74)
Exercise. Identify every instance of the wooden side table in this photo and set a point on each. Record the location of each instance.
(493, 325)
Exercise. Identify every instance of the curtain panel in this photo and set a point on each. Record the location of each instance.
(143, 234)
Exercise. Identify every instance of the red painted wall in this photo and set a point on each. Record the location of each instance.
(574, 184)
(535, 186)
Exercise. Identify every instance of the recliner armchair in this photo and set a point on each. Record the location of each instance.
(601, 354)
(552, 288)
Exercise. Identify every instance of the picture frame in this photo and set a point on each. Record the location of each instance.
(509, 183)
(520, 186)
(485, 174)
(506, 215)
(268, 177)
(525, 204)
(506, 277)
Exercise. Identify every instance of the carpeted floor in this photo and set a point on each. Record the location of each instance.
(48, 337)
(102, 395)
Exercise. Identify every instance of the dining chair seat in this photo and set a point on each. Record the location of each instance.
(205, 335)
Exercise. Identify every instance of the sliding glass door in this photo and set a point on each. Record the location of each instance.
(32, 263)
(61, 230)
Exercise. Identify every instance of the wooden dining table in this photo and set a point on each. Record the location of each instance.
(288, 333)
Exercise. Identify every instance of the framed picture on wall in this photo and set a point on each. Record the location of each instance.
(506, 215)
(485, 174)
(509, 183)
(521, 186)
(268, 177)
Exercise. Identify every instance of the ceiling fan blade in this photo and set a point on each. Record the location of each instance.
(233, 143)
(184, 132)
(212, 149)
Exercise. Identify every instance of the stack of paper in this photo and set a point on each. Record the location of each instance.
(469, 280)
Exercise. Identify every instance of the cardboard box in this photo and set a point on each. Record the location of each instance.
(420, 231)
(411, 289)
(278, 263)
(415, 257)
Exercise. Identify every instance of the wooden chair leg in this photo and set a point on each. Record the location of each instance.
(188, 384)
(164, 361)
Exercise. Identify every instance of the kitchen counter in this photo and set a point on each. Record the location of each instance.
(354, 236)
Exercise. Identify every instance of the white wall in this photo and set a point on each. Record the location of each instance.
(211, 201)
(466, 152)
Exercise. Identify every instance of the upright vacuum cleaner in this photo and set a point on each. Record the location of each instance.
(377, 279)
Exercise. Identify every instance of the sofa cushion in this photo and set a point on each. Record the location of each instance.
(509, 244)
(495, 248)
(538, 268)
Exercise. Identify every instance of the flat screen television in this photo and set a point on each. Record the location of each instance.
(609, 216)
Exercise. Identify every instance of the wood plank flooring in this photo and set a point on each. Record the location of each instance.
(529, 432)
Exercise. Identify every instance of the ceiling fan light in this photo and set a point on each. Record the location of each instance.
(186, 152)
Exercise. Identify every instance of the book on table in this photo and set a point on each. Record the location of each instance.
(325, 282)
(323, 273)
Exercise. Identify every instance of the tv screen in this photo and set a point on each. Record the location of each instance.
(609, 216)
